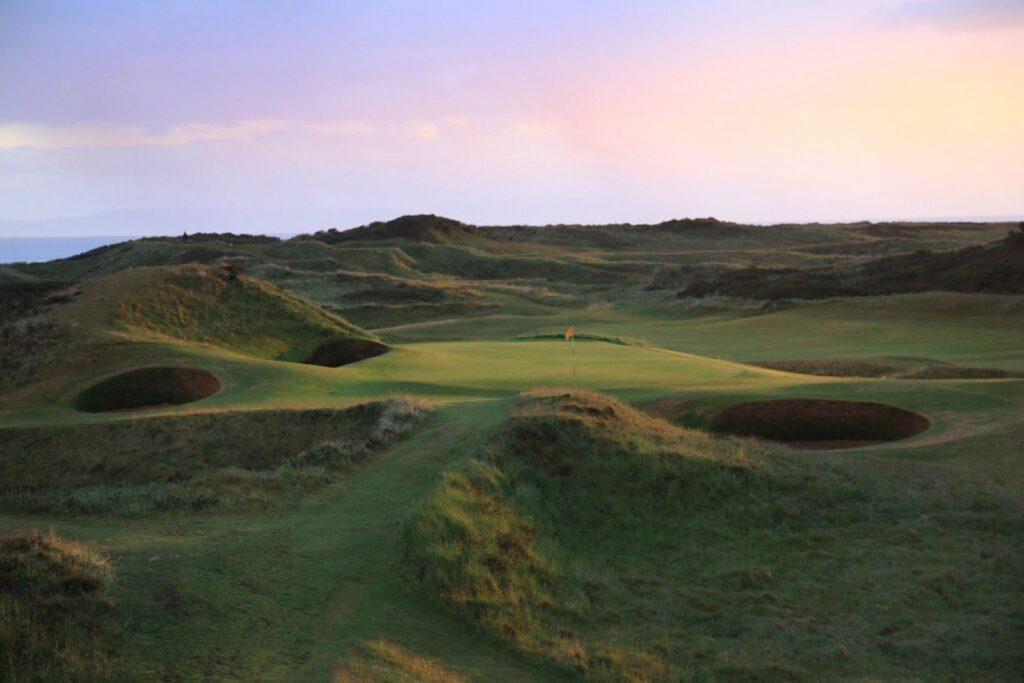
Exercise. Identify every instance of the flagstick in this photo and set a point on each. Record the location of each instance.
(572, 343)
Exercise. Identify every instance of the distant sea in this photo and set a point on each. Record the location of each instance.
(21, 249)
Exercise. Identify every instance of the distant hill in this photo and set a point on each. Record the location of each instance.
(419, 228)
(427, 267)
(996, 268)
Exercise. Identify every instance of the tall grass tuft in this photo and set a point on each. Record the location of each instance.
(360, 434)
(54, 612)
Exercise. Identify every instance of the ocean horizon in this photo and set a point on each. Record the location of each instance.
(38, 249)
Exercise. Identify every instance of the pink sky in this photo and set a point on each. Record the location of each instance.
(293, 116)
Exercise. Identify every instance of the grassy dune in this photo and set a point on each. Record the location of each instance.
(56, 619)
(239, 460)
(209, 306)
(623, 549)
(302, 523)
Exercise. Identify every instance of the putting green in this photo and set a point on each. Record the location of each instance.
(443, 372)
(449, 372)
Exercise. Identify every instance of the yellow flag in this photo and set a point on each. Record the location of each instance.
(570, 333)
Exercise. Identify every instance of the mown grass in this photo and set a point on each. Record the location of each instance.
(621, 548)
(55, 613)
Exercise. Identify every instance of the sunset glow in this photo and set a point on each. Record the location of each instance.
(512, 112)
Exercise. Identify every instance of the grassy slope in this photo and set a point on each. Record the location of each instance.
(294, 596)
(320, 581)
(243, 460)
(991, 268)
(203, 305)
(623, 549)
(156, 316)
(173, 446)
(251, 597)
(55, 613)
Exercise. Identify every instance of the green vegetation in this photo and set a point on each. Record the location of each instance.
(623, 549)
(991, 268)
(894, 368)
(303, 523)
(196, 462)
(232, 312)
(55, 617)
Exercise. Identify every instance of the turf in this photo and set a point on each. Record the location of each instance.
(620, 548)
(258, 534)
(56, 621)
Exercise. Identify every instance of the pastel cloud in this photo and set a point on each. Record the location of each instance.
(425, 130)
(522, 111)
(95, 136)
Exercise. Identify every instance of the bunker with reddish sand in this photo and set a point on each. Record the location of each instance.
(148, 388)
(820, 423)
(338, 352)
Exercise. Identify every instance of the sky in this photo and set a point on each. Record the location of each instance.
(126, 117)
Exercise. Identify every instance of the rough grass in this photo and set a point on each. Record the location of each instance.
(993, 268)
(624, 549)
(207, 305)
(383, 662)
(195, 462)
(891, 368)
(30, 345)
(55, 618)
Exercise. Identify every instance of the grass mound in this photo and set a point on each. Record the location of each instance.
(215, 306)
(819, 422)
(54, 616)
(959, 372)
(253, 459)
(993, 268)
(148, 388)
(893, 368)
(384, 662)
(420, 228)
(338, 352)
(625, 549)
